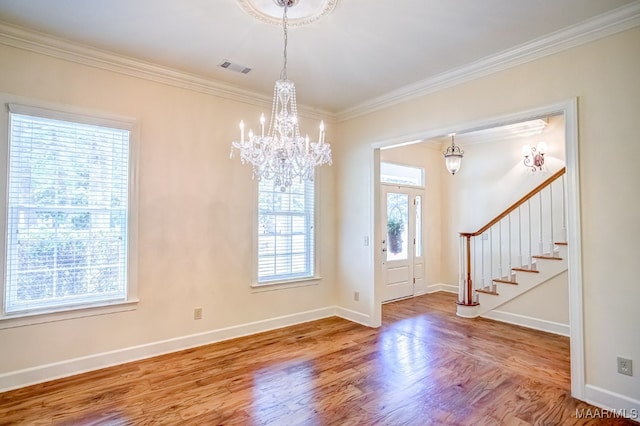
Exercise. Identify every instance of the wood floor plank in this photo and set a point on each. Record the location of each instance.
(424, 366)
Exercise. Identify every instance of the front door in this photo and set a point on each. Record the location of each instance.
(403, 261)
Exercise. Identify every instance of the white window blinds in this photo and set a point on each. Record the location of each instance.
(66, 213)
(285, 232)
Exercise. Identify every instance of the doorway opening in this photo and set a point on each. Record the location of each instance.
(566, 109)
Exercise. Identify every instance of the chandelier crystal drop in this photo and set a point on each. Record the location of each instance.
(282, 154)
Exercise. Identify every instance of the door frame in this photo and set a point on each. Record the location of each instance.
(569, 108)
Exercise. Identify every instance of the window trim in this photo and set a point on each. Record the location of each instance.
(294, 282)
(26, 106)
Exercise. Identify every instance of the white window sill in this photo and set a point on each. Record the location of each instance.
(281, 285)
(22, 319)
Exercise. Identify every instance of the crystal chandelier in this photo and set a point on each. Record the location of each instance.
(282, 154)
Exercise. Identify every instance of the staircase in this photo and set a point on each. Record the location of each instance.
(519, 249)
(522, 280)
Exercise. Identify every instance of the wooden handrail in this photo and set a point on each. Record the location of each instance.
(517, 204)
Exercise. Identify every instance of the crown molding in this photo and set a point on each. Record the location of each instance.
(45, 44)
(604, 25)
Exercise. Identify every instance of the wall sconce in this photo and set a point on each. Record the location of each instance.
(534, 156)
(453, 156)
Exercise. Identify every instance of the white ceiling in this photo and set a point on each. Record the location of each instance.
(363, 50)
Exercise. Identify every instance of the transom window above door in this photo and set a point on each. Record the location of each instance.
(401, 174)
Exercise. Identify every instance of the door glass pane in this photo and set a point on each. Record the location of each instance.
(397, 224)
(418, 235)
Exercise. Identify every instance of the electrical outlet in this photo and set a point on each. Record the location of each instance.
(624, 366)
(197, 313)
(356, 296)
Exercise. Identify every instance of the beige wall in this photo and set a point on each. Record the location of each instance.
(196, 210)
(604, 76)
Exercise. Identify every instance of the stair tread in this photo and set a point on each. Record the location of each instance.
(500, 280)
(481, 290)
(546, 257)
(526, 270)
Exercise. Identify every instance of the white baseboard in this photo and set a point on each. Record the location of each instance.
(620, 405)
(43, 373)
(442, 287)
(529, 322)
(353, 316)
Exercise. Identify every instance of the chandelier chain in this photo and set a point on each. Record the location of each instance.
(283, 74)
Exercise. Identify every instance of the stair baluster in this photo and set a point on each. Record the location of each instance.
(541, 242)
(510, 248)
(475, 258)
(520, 237)
(482, 263)
(500, 271)
(551, 240)
(530, 259)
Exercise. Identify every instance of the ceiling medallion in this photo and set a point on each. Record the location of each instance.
(305, 12)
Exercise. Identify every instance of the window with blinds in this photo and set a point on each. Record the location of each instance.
(285, 232)
(67, 212)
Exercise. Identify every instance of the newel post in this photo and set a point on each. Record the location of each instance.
(467, 299)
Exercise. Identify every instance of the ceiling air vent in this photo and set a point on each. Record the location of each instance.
(234, 67)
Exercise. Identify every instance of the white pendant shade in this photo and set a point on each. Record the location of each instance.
(453, 162)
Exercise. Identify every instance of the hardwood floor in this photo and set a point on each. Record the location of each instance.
(423, 366)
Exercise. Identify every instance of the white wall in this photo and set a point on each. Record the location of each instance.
(604, 76)
(545, 307)
(196, 212)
